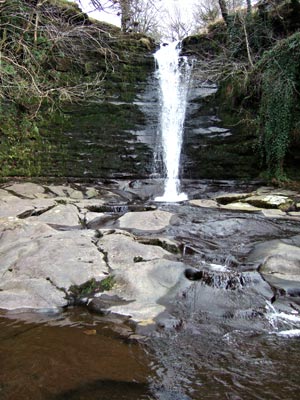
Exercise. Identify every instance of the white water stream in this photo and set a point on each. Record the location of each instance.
(174, 76)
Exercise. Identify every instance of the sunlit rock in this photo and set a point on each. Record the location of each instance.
(146, 220)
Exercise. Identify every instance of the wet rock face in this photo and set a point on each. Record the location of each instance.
(213, 147)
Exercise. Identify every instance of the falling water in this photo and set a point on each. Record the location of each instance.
(174, 75)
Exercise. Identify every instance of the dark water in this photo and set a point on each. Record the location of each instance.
(69, 356)
(76, 356)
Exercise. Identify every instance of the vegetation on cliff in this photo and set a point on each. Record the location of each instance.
(255, 58)
(52, 56)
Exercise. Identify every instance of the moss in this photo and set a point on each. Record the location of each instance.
(88, 138)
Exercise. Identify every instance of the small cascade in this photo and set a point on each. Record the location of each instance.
(174, 76)
(283, 324)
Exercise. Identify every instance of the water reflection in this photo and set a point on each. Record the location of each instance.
(77, 355)
(74, 357)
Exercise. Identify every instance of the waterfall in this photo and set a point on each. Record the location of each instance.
(174, 75)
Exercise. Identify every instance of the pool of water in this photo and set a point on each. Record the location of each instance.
(78, 355)
(74, 355)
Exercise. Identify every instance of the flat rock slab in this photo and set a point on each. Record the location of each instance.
(231, 197)
(147, 286)
(280, 192)
(16, 207)
(123, 250)
(239, 206)
(146, 220)
(234, 226)
(205, 203)
(35, 293)
(33, 255)
(273, 213)
(146, 276)
(27, 189)
(93, 205)
(7, 196)
(61, 215)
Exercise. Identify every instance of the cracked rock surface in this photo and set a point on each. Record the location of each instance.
(49, 243)
(56, 237)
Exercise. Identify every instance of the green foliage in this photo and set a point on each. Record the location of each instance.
(280, 76)
(107, 283)
(92, 286)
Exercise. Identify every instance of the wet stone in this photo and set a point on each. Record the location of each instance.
(123, 250)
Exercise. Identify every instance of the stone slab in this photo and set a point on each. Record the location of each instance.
(146, 220)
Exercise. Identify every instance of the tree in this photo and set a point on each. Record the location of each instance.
(136, 15)
(249, 7)
(176, 27)
(224, 11)
(205, 12)
(145, 17)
